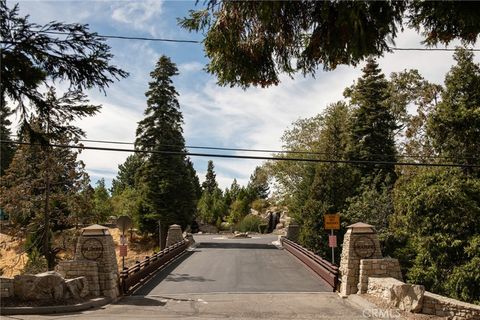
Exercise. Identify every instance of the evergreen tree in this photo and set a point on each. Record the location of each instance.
(169, 189)
(210, 184)
(454, 124)
(33, 59)
(102, 205)
(373, 124)
(258, 184)
(253, 42)
(127, 174)
(7, 150)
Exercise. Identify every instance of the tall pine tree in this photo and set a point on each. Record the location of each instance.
(170, 191)
(7, 150)
(373, 126)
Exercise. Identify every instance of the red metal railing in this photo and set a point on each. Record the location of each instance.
(133, 275)
(327, 271)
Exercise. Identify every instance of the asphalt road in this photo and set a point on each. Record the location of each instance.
(229, 278)
(221, 264)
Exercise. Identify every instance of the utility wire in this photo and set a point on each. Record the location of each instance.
(269, 150)
(199, 42)
(213, 155)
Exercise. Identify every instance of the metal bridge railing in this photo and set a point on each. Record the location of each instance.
(327, 271)
(133, 275)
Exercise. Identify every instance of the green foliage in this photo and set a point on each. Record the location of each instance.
(239, 209)
(373, 123)
(36, 263)
(454, 124)
(6, 150)
(439, 210)
(258, 184)
(127, 174)
(102, 205)
(211, 207)
(260, 205)
(32, 59)
(250, 223)
(253, 42)
(210, 184)
(168, 179)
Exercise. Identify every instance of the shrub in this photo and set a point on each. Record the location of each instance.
(249, 223)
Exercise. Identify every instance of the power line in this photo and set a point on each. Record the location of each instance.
(268, 150)
(199, 42)
(213, 155)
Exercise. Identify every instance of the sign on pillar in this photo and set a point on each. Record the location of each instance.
(332, 222)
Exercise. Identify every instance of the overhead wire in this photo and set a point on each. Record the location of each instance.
(121, 37)
(275, 158)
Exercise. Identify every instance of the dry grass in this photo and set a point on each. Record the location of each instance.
(13, 258)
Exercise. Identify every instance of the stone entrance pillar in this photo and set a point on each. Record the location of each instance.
(360, 242)
(174, 234)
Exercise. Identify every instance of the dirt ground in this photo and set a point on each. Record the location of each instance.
(13, 257)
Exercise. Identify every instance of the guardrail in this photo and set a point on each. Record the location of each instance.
(321, 267)
(134, 274)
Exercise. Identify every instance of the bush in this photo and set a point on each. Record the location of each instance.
(260, 205)
(263, 228)
(249, 223)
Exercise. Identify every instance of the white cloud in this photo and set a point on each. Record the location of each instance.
(141, 15)
(193, 66)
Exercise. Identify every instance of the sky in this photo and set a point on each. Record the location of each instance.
(214, 116)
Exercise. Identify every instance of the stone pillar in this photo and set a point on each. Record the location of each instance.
(96, 244)
(293, 231)
(360, 242)
(174, 234)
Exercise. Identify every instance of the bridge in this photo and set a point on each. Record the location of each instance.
(232, 278)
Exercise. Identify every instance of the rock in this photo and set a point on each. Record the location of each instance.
(279, 226)
(43, 286)
(190, 239)
(407, 297)
(241, 235)
(254, 212)
(77, 287)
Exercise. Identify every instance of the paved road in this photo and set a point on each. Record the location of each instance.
(234, 279)
(220, 264)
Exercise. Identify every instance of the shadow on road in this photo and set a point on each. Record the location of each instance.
(155, 280)
(179, 277)
(234, 245)
(141, 301)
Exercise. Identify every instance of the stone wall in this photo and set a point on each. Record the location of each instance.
(408, 297)
(414, 298)
(75, 268)
(377, 268)
(360, 242)
(6, 287)
(446, 307)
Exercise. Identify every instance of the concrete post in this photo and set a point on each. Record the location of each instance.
(174, 234)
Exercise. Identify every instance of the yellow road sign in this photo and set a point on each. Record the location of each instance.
(331, 221)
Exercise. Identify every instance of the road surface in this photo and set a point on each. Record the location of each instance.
(230, 278)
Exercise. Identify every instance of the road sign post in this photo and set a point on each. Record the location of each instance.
(332, 222)
(123, 223)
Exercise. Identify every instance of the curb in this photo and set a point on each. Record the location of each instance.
(92, 303)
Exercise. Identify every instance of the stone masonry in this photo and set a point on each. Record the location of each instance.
(377, 268)
(174, 234)
(447, 307)
(96, 244)
(6, 287)
(76, 268)
(360, 242)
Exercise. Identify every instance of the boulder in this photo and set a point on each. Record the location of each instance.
(43, 286)
(407, 297)
(77, 287)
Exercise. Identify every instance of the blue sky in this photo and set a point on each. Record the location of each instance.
(214, 116)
